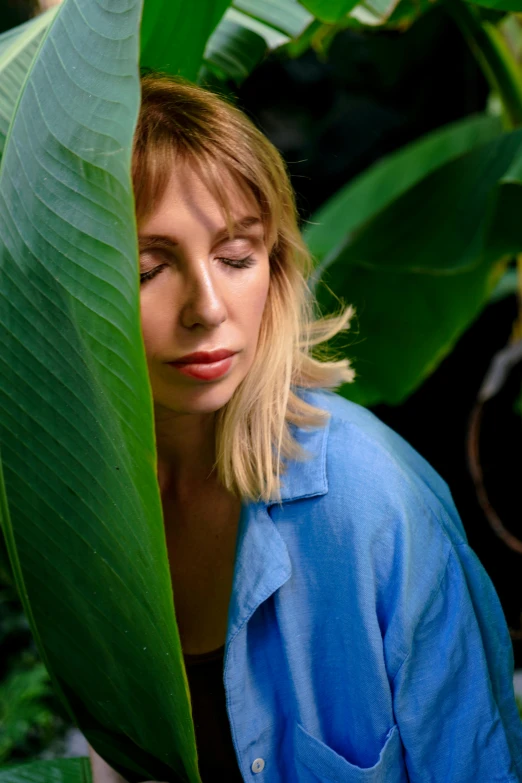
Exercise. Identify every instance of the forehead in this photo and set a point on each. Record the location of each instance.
(189, 195)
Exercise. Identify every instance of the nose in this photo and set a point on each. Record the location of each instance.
(203, 302)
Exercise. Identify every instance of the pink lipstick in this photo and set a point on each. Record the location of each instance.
(208, 371)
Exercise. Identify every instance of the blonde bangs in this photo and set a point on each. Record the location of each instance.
(180, 121)
(157, 149)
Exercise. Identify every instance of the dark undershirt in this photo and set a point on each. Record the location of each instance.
(216, 754)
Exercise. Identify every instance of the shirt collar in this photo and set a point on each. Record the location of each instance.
(308, 478)
(262, 561)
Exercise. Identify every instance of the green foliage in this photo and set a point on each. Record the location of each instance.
(75, 770)
(30, 715)
(330, 11)
(513, 6)
(172, 39)
(247, 31)
(23, 713)
(401, 242)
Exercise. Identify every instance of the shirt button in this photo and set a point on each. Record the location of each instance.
(258, 765)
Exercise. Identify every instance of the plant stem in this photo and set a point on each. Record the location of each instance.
(494, 57)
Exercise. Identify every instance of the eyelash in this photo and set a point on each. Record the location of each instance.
(240, 263)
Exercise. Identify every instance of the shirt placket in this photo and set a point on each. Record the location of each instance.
(262, 565)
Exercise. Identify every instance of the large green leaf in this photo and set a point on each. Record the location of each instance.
(407, 243)
(436, 227)
(233, 51)
(9, 36)
(171, 40)
(79, 499)
(74, 770)
(17, 50)
(174, 35)
(330, 229)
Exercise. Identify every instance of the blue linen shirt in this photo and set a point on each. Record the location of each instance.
(365, 641)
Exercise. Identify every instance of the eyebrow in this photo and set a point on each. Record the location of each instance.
(244, 224)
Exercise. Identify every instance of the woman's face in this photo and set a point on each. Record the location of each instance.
(198, 297)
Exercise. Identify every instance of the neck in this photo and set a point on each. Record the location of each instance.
(185, 445)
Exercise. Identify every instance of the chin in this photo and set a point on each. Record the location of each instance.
(199, 398)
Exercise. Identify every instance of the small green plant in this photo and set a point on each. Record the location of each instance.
(30, 715)
(25, 718)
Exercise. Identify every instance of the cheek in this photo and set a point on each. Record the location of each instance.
(254, 304)
(257, 302)
(154, 324)
(252, 309)
(250, 317)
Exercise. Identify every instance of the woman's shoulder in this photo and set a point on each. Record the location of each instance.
(385, 504)
(384, 548)
(369, 460)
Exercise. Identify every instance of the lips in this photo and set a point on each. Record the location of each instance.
(209, 371)
(204, 357)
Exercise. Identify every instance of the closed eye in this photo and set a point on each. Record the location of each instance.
(152, 273)
(237, 263)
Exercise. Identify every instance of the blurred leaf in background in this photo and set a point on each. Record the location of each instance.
(31, 717)
(24, 716)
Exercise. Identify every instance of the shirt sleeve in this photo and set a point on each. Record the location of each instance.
(453, 694)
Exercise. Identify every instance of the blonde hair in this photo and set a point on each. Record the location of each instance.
(179, 120)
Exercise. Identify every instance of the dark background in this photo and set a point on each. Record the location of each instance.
(13, 12)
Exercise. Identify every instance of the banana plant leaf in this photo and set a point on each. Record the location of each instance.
(160, 47)
(418, 239)
(79, 500)
(247, 31)
(288, 16)
(174, 36)
(72, 770)
(17, 50)
(406, 12)
(8, 36)
(232, 52)
(391, 16)
(372, 13)
(514, 6)
(329, 11)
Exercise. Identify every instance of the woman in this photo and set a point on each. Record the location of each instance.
(335, 624)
